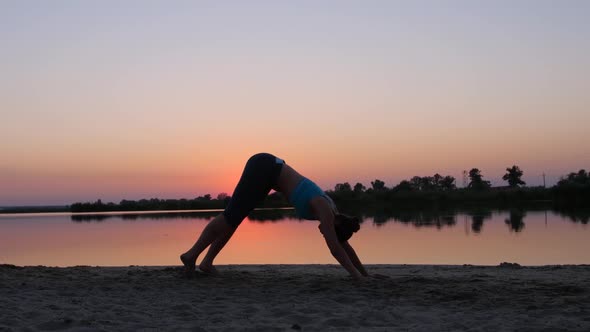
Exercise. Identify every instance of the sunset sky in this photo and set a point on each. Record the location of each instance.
(138, 99)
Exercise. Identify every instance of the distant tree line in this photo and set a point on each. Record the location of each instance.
(419, 192)
(441, 192)
(205, 202)
(199, 203)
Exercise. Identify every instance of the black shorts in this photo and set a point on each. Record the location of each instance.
(260, 175)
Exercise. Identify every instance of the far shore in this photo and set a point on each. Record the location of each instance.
(507, 297)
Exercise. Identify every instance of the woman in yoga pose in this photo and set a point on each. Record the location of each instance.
(262, 173)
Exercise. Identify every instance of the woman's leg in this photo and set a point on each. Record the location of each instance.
(259, 176)
(207, 262)
(217, 228)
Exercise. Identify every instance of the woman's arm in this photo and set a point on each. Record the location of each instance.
(324, 213)
(354, 258)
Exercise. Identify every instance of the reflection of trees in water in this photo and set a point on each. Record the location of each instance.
(438, 219)
(380, 219)
(581, 216)
(477, 219)
(136, 216)
(515, 220)
(90, 217)
(419, 219)
(256, 215)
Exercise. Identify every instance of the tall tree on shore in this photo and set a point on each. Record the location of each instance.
(359, 188)
(448, 183)
(580, 178)
(477, 181)
(378, 185)
(343, 187)
(404, 185)
(513, 175)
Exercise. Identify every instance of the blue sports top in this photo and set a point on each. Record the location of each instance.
(302, 195)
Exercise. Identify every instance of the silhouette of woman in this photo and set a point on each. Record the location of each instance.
(262, 173)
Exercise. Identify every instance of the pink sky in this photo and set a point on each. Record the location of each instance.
(169, 102)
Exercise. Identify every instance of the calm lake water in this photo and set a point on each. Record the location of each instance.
(487, 238)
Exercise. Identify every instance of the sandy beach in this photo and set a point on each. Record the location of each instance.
(296, 297)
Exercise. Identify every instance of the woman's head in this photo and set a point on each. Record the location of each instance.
(345, 226)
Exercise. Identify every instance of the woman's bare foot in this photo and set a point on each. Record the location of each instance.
(189, 264)
(208, 269)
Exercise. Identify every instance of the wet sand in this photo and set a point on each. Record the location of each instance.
(296, 297)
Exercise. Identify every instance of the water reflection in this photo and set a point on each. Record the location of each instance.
(577, 216)
(515, 220)
(139, 215)
(477, 236)
(262, 215)
(478, 218)
(418, 219)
